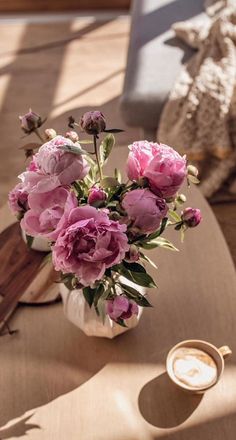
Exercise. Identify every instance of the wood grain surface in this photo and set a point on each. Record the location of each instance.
(23, 274)
(60, 5)
(56, 383)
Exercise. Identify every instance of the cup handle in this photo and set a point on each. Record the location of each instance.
(225, 351)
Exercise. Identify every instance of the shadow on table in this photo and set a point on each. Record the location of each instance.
(163, 405)
(208, 430)
(18, 429)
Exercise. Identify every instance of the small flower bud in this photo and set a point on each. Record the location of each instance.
(96, 197)
(181, 199)
(191, 217)
(30, 122)
(192, 170)
(72, 135)
(133, 254)
(50, 133)
(93, 122)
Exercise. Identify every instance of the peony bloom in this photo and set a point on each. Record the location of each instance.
(54, 167)
(48, 213)
(144, 209)
(191, 217)
(163, 167)
(18, 199)
(96, 196)
(89, 244)
(121, 308)
(30, 122)
(93, 122)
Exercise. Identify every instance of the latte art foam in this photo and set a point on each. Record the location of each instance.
(194, 368)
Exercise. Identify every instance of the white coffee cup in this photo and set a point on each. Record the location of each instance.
(217, 354)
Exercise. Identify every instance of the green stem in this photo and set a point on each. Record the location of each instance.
(39, 135)
(97, 156)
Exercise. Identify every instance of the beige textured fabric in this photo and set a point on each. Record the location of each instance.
(200, 114)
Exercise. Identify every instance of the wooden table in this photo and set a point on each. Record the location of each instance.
(58, 384)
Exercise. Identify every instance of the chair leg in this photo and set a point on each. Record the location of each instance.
(150, 134)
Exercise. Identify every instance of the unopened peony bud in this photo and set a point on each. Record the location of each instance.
(96, 197)
(191, 217)
(30, 122)
(50, 133)
(181, 199)
(192, 170)
(93, 122)
(133, 254)
(72, 135)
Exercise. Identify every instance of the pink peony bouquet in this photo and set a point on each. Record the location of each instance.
(99, 228)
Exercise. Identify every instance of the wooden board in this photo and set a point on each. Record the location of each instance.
(60, 5)
(23, 274)
(56, 383)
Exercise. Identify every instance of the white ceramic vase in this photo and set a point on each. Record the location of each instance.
(39, 243)
(77, 311)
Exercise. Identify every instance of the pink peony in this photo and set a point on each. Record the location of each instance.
(191, 217)
(48, 213)
(89, 244)
(121, 308)
(164, 168)
(54, 167)
(144, 209)
(96, 196)
(18, 199)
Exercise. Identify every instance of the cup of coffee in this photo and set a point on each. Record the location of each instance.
(195, 365)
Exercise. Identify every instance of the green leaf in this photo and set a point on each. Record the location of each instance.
(78, 189)
(99, 291)
(118, 175)
(135, 295)
(109, 182)
(178, 226)
(106, 147)
(140, 278)
(113, 130)
(121, 322)
(101, 309)
(67, 280)
(159, 242)
(73, 149)
(134, 267)
(85, 141)
(193, 179)
(174, 215)
(89, 295)
(29, 240)
(148, 260)
(160, 230)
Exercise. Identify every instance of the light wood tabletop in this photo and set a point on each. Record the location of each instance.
(58, 384)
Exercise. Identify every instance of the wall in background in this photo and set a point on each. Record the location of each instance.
(60, 5)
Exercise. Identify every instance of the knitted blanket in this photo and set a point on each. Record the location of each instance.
(201, 111)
